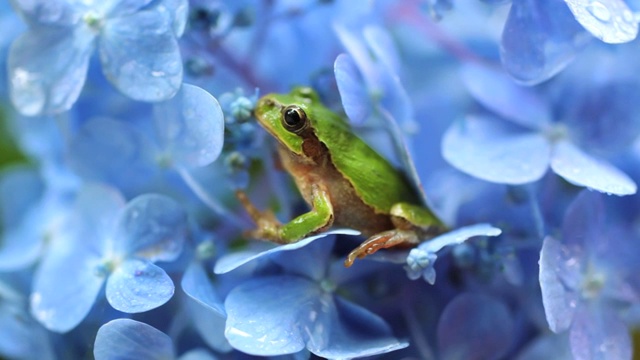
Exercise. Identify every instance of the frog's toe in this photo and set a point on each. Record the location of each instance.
(383, 240)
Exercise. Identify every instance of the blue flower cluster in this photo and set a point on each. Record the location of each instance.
(127, 128)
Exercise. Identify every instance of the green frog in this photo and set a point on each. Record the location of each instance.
(345, 182)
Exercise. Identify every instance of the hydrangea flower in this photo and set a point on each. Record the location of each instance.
(296, 308)
(108, 240)
(540, 38)
(136, 41)
(587, 278)
(519, 144)
(186, 134)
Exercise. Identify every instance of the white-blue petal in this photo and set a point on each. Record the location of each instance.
(611, 21)
(190, 127)
(47, 69)
(578, 168)
(66, 285)
(353, 93)
(498, 92)
(559, 302)
(197, 285)
(235, 260)
(129, 339)
(140, 55)
(458, 236)
(137, 285)
(493, 151)
(269, 315)
(151, 227)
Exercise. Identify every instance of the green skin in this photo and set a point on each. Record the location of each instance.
(362, 181)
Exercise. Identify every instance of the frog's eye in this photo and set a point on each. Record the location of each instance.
(294, 119)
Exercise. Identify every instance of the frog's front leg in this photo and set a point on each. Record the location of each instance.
(413, 224)
(269, 228)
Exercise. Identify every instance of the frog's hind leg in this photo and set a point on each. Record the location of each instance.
(412, 225)
(383, 240)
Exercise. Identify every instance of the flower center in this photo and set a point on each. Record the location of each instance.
(93, 20)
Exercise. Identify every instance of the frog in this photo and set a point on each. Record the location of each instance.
(345, 182)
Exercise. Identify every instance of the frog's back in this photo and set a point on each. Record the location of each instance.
(374, 179)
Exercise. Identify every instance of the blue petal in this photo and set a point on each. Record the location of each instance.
(361, 56)
(191, 127)
(458, 236)
(583, 223)
(152, 227)
(475, 326)
(20, 189)
(49, 12)
(95, 212)
(539, 39)
(580, 169)
(498, 92)
(20, 336)
(235, 260)
(140, 55)
(197, 354)
(180, 11)
(547, 346)
(130, 339)
(602, 117)
(310, 261)
(66, 285)
(197, 285)
(382, 47)
(609, 20)
(48, 68)
(350, 331)
(559, 301)
(112, 152)
(353, 93)
(210, 325)
(494, 151)
(598, 333)
(268, 316)
(115, 8)
(137, 286)
(21, 247)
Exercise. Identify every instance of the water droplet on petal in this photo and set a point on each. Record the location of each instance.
(599, 11)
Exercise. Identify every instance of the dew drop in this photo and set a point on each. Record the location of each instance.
(599, 11)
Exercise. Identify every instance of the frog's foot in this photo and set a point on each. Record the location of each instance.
(267, 225)
(383, 240)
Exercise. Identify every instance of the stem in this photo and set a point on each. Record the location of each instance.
(536, 212)
(211, 202)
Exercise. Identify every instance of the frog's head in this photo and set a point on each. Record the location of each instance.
(288, 116)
